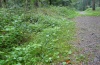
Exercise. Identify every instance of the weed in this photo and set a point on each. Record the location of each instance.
(90, 12)
(40, 37)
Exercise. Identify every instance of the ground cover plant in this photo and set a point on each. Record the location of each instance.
(42, 32)
(90, 12)
(36, 37)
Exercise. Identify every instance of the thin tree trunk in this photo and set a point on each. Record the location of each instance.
(99, 3)
(93, 5)
(50, 2)
(84, 5)
(25, 6)
(36, 3)
(5, 3)
(0, 3)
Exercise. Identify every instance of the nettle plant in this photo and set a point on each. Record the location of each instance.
(13, 30)
(44, 38)
(48, 46)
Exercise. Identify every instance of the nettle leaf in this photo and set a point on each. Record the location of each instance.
(20, 58)
(63, 63)
(17, 48)
(1, 62)
(9, 28)
(18, 64)
(69, 52)
(50, 59)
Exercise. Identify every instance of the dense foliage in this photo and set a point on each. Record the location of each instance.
(37, 36)
(34, 33)
(28, 4)
(89, 12)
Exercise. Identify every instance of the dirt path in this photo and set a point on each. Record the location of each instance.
(88, 38)
(82, 12)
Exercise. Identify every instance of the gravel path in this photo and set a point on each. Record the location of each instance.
(88, 38)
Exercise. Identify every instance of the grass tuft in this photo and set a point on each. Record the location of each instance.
(90, 12)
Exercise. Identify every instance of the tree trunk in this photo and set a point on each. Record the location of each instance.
(26, 6)
(36, 3)
(93, 5)
(84, 5)
(5, 3)
(0, 3)
(99, 3)
(50, 2)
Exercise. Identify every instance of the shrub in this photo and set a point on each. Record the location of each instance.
(47, 37)
(12, 30)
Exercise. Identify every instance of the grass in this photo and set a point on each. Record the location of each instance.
(59, 11)
(90, 12)
(37, 37)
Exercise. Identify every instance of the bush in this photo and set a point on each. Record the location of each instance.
(12, 30)
(45, 36)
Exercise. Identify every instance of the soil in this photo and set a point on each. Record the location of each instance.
(88, 38)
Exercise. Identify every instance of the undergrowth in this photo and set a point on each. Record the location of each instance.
(36, 37)
(90, 12)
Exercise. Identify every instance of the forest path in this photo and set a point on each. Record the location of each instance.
(82, 12)
(88, 38)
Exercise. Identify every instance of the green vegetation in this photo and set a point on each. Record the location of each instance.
(39, 32)
(90, 12)
(39, 36)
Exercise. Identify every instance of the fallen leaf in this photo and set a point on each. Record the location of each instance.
(68, 61)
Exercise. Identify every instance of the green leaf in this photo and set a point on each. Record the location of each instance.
(63, 63)
(19, 64)
(69, 52)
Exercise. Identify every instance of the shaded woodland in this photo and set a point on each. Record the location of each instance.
(79, 4)
(39, 32)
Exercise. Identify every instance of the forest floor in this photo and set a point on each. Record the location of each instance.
(88, 38)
